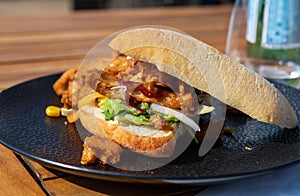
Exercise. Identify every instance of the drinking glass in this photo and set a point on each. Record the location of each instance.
(253, 24)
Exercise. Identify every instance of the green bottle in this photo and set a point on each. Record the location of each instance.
(273, 34)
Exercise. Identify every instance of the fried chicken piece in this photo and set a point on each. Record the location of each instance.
(97, 148)
(160, 122)
(87, 156)
(64, 85)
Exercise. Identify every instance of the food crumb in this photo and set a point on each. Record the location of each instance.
(248, 148)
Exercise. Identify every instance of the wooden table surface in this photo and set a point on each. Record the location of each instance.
(38, 45)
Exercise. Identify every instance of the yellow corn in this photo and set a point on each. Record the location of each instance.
(53, 111)
(88, 99)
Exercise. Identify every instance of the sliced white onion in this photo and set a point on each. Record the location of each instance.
(183, 118)
(204, 109)
(121, 89)
(65, 111)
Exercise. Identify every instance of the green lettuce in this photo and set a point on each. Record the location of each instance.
(115, 109)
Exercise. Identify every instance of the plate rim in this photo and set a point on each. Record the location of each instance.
(139, 178)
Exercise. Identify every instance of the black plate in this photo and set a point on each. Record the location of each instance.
(25, 129)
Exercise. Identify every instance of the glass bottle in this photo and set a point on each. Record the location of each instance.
(273, 37)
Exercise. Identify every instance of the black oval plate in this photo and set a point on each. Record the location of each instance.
(25, 129)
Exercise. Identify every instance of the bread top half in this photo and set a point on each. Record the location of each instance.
(207, 69)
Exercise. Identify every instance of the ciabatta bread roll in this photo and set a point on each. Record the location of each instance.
(198, 62)
(142, 139)
(151, 57)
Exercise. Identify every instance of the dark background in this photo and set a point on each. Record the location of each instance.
(105, 4)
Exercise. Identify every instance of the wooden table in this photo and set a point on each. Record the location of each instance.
(39, 45)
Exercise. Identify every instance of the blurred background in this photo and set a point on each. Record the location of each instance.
(63, 6)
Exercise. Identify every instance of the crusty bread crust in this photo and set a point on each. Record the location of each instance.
(157, 144)
(199, 65)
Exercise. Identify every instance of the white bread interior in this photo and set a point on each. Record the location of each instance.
(209, 70)
(146, 140)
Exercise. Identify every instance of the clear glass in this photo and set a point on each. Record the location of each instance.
(271, 62)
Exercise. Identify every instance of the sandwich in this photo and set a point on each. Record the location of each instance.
(157, 87)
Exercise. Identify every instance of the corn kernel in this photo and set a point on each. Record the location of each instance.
(88, 99)
(53, 111)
